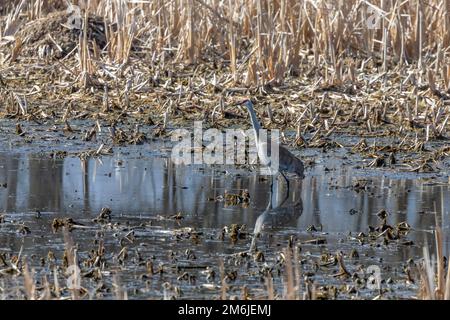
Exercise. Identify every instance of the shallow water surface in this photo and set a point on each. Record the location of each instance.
(335, 200)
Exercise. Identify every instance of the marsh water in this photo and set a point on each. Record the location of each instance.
(144, 191)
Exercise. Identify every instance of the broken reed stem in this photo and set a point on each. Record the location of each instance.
(232, 43)
(72, 268)
(440, 265)
(269, 287)
(289, 281)
(435, 283)
(298, 287)
(29, 284)
(224, 286)
(120, 293)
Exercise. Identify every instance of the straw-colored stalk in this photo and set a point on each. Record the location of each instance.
(434, 279)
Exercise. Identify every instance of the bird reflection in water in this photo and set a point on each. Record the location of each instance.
(278, 213)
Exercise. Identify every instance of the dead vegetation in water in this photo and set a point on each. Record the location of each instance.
(234, 199)
(283, 267)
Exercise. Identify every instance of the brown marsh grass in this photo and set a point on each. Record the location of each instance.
(264, 41)
(316, 65)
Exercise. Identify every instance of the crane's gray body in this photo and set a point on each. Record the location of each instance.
(287, 161)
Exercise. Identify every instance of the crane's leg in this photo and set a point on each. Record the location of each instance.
(286, 179)
(287, 183)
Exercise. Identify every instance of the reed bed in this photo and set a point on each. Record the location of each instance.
(264, 41)
(314, 66)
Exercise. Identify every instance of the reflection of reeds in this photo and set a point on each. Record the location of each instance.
(435, 281)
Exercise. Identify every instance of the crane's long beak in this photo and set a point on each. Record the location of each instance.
(239, 105)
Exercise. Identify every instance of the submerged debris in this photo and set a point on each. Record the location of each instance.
(68, 223)
(104, 215)
(232, 199)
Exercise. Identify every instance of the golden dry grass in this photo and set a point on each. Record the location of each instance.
(264, 41)
(318, 67)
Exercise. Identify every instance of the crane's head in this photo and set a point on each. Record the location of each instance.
(246, 102)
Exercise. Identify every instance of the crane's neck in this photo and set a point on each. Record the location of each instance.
(255, 122)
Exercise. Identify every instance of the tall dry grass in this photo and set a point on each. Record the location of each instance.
(263, 41)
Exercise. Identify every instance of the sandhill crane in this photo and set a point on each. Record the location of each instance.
(287, 161)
